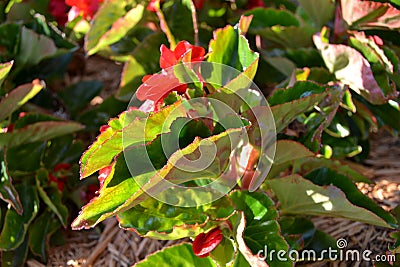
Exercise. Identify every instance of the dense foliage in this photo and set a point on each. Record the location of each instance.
(330, 75)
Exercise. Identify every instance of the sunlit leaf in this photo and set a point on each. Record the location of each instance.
(18, 97)
(4, 70)
(118, 29)
(300, 196)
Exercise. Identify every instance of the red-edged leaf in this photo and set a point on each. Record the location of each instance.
(351, 68)
(18, 97)
(368, 14)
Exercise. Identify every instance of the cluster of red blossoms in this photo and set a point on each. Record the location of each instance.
(59, 175)
(67, 10)
(157, 86)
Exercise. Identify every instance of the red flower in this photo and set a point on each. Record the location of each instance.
(255, 3)
(58, 9)
(184, 52)
(58, 175)
(152, 6)
(161, 84)
(156, 87)
(62, 166)
(203, 244)
(91, 192)
(198, 4)
(86, 8)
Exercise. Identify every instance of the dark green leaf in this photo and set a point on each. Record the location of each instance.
(261, 228)
(7, 190)
(77, 96)
(16, 226)
(17, 257)
(39, 233)
(179, 19)
(52, 197)
(30, 153)
(287, 104)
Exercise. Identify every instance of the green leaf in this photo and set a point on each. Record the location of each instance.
(18, 97)
(36, 47)
(7, 190)
(231, 48)
(268, 17)
(298, 231)
(179, 19)
(299, 196)
(143, 60)
(155, 219)
(9, 39)
(77, 96)
(289, 37)
(52, 197)
(319, 12)
(4, 70)
(108, 14)
(287, 150)
(31, 153)
(125, 193)
(39, 131)
(135, 127)
(307, 165)
(39, 233)
(350, 67)
(118, 29)
(324, 177)
(17, 257)
(179, 255)
(287, 104)
(16, 226)
(261, 229)
(117, 188)
(224, 253)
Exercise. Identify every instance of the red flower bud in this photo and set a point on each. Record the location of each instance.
(203, 244)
